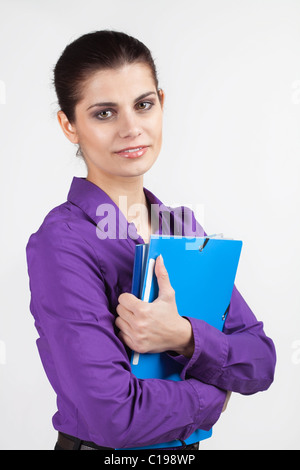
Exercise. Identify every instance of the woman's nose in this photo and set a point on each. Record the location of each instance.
(129, 126)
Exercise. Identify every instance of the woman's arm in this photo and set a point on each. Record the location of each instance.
(240, 359)
(87, 363)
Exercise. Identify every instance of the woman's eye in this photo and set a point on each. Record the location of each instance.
(104, 114)
(144, 105)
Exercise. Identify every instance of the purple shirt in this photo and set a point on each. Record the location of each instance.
(76, 276)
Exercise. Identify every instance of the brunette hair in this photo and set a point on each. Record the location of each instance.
(90, 53)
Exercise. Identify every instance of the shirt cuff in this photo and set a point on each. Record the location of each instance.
(211, 403)
(210, 352)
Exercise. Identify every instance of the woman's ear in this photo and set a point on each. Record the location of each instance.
(68, 129)
(161, 95)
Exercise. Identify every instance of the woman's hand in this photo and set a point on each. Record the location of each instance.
(157, 326)
(226, 401)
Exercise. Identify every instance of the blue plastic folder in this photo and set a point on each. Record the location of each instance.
(202, 272)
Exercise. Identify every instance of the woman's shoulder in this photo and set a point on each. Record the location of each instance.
(63, 225)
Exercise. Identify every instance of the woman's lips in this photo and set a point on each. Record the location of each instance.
(133, 152)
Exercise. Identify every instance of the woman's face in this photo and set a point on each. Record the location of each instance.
(118, 122)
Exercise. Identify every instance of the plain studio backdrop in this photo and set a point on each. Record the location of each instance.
(231, 73)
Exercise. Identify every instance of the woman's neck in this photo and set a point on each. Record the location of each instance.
(126, 193)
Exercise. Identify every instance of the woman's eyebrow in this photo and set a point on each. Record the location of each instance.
(110, 103)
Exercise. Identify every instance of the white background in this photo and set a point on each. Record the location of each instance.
(231, 73)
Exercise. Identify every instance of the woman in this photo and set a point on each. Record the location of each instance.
(80, 271)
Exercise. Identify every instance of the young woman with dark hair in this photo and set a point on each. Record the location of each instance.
(80, 273)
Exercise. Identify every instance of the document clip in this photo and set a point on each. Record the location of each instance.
(226, 311)
(216, 236)
(203, 245)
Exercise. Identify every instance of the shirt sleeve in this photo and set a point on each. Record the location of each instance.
(241, 358)
(92, 368)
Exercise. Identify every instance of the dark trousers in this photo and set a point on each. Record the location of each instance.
(67, 442)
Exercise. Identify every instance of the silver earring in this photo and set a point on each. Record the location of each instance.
(79, 152)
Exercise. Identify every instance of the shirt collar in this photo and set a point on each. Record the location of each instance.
(88, 196)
